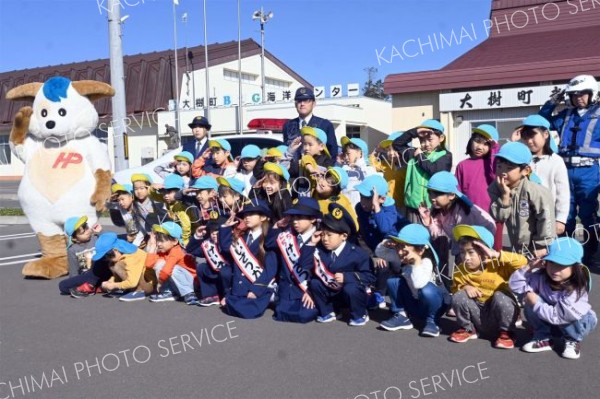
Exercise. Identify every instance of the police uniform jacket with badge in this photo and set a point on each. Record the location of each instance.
(529, 217)
(291, 130)
(354, 262)
(240, 284)
(579, 134)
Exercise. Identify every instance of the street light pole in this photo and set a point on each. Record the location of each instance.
(207, 82)
(177, 121)
(117, 80)
(263, 18)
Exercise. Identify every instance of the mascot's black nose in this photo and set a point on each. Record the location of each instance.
(50, 124)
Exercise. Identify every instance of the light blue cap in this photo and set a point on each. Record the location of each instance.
(477, 232)
(173, 181)
(365, 188)
(250, 151)
(415, 234)
(185, 156)
(432, 124)
(205, 183)
(536, 121)
(235, 184)
(446, 182)
(487, 131)
(565, 251)
(515, 152)
(170, 228)
(360, 143)
(108, 241)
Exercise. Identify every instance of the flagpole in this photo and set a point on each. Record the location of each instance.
(239, 69)
(207, 83)
(177, 122)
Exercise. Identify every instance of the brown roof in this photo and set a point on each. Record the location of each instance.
(536, 53)
(149, 80)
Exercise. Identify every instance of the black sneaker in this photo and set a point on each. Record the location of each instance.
(75, 293)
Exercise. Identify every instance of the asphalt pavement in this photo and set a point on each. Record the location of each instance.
(54, 346)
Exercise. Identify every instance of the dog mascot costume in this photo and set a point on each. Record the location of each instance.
(67, 169)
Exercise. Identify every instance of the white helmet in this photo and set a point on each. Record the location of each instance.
(583, 83)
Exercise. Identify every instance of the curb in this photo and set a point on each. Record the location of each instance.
(20, 220)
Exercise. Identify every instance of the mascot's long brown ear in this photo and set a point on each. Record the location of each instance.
(24, 92)
(93, 89)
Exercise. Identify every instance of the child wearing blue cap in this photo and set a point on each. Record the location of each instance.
(177, 211)
(450, 207)
(230, 195)
(526, 208)
(482, 300)
(174, 268)
(147, 203)
(386, 161)
(254, 268)
(126, 262)
(314, 153)
(216, 161)
(555, 292)
(181, 165)
(342, 270)
(354, 160)
(422, 163)
(273, 189)
(379, 218)
(417, 293)
(547, 165)
(476, 173)
(204, 190)
(126, 217)
(84, 275)
(288, 240)
(249, 167)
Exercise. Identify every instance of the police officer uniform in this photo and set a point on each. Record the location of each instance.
(353, 261)
(291, 129)
(237, 302)
(293, 280)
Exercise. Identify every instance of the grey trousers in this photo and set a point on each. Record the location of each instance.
(499, 313)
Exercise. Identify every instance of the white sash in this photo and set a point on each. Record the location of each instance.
(245, 260)
(324, 274)
(212, 255)
(290, 250)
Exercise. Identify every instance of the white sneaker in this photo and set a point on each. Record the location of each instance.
(571, 350)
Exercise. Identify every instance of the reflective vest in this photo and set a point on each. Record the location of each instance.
(585, 141)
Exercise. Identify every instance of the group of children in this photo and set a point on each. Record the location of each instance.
(292, 228)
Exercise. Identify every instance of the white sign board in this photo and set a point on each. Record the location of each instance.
(319, 91)
(353, 89)
(497, 98)
(335, 91)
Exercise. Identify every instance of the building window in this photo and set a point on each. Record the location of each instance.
(276, 84)
(4, 150)
(230, 75)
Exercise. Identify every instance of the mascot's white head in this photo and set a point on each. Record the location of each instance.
(62, 110)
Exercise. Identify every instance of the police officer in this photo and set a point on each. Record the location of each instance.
(579, 128)
(305, 103)
(200, 128)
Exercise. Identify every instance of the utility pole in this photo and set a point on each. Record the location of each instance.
(117, 81)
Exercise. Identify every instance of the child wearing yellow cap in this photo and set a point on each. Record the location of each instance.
(314, 152)
(273, 189)
(181, 165)
(386, 160)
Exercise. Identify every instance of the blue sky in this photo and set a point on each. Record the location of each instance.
(325, 41)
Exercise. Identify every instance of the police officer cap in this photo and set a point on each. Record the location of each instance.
(304, 93)
(200, 121)
(339, 220)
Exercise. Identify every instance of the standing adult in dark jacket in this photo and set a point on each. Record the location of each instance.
(305, 103)
(200, 128)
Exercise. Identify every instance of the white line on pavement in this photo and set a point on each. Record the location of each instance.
(17, 262)
(19, 256)
(4, 238)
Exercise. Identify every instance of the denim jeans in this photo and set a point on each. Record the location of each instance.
(429, 305)
(574, 331)
(181, 280)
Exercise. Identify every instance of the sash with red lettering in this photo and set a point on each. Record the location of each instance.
(290, 250)
(324, 274)
(212, 255)
(245, 260)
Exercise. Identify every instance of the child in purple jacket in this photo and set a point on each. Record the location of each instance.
(555, 294)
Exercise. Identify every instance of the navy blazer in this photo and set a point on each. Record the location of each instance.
(240, 284)
(291, 130)
(209, 166)
(354, 262)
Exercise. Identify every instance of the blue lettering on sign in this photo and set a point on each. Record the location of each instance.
(256, 98)
(226, 100)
